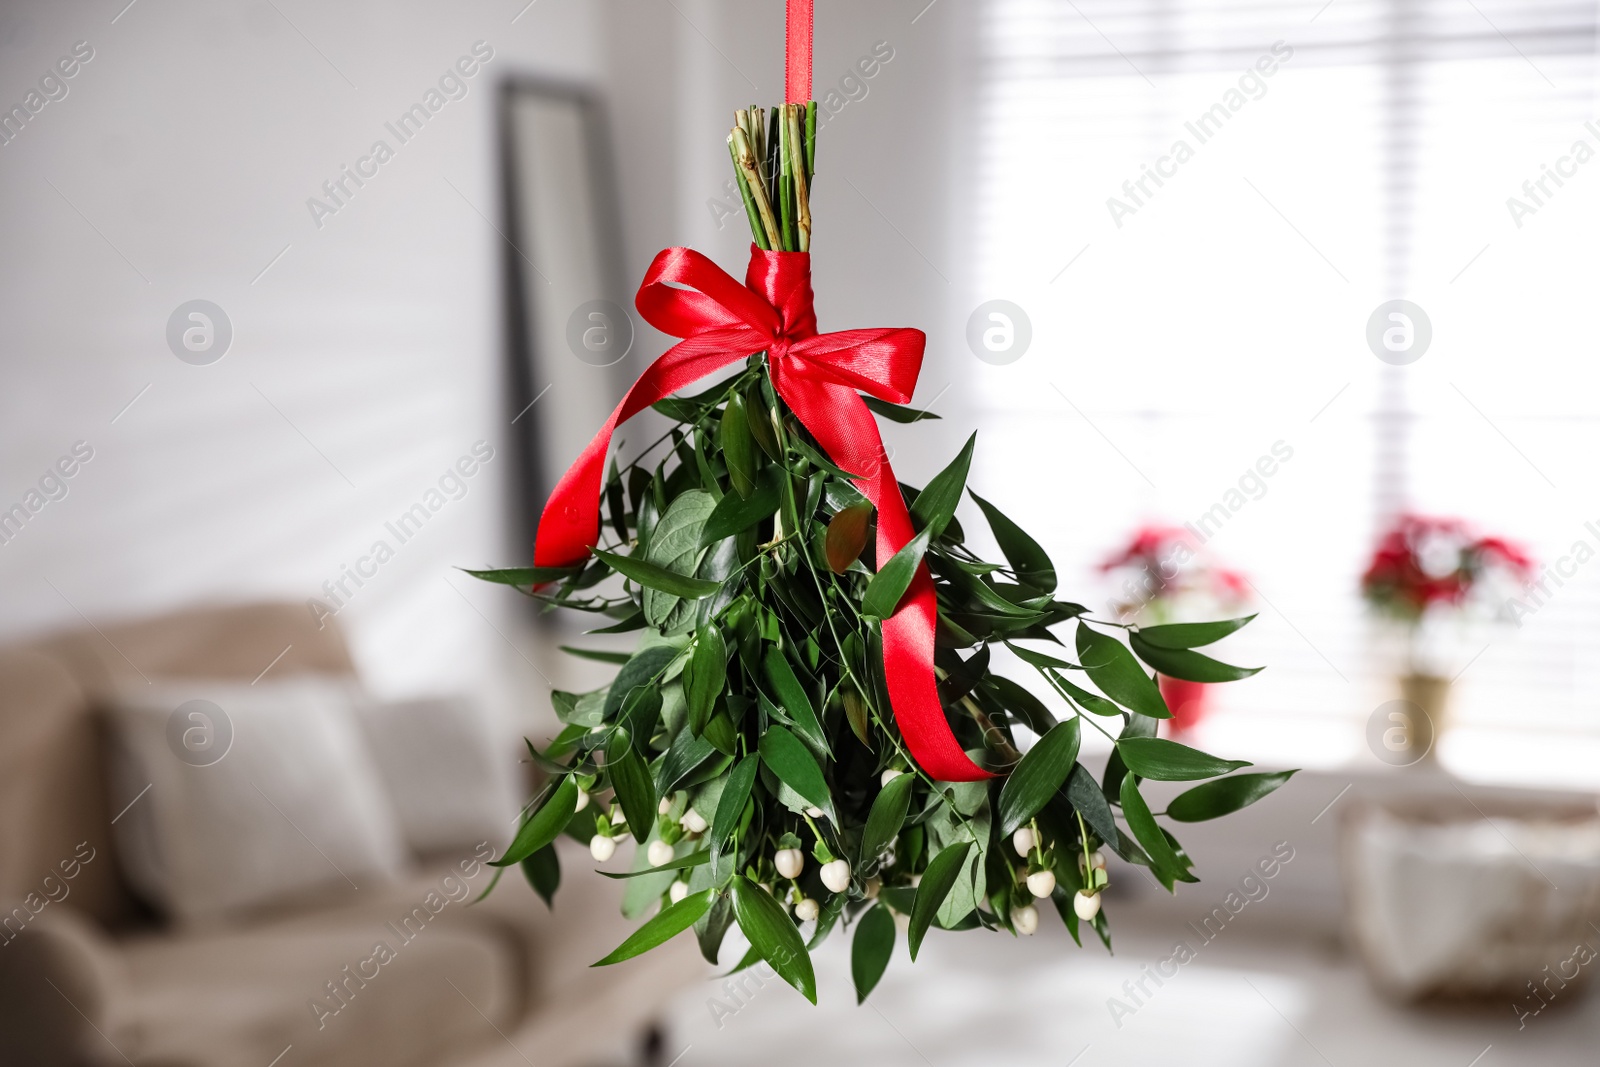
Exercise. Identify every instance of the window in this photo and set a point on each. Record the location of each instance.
(1199, 204)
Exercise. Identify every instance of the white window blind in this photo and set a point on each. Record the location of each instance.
(1310, 161)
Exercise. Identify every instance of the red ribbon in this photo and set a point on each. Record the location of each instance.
(687, 295)
(797, 52)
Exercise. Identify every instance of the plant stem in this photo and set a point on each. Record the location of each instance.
(745, 158)
(798, 169)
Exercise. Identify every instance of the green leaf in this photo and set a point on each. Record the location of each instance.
(1191, 634)
(1092, 702)
(794, 765)
(543, 872)
(1039, 659)
(705, 676)
(871, 950)
(1168, 761)
(896, 412)
(1224, 796)
(888, 814)
(631, 780)
(846, 538)
(1088, 800)
(686, 754)
(734, 513)
(1022, 703)
(773, 935)
(738, 447)
(544, 826)
(680, 863)
(525, 575)
(760, 420)
(653, 577)
(634, 621)
(894, 577)
(597, 655)
(645, 667)
(1112, 667)
(793, 699)
(671, 922)
(675, 548)
(937, 881)
(1042, 771)
(1030, 563)
(936, 504)
(1191, 666)
(1147, 833)
(734, 796)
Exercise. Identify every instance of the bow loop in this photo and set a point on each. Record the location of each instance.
(686, 295)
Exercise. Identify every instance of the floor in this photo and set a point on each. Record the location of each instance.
(1249, 998)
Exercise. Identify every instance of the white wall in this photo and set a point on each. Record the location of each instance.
(365, 361)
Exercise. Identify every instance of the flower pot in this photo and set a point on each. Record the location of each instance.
(1430, 696)
(1188, 702)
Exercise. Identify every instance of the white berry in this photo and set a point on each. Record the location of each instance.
(618, 817)
(693, 822)
(814, 813)
(1025, 920)
(836, 876)
(677, 891)
(1086, 904)
(602, 847)
(660, 852)
(889, 775)
(790, 862)
(807, 910)
(583, 801)
(665, 805)
(1042, 883)
(1023, 841)
(1097, 858)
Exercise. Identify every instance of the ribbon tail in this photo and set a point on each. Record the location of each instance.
(848, 433)
(570, 524)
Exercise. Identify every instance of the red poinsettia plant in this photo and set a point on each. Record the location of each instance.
(1168, 577)
(1423, 564)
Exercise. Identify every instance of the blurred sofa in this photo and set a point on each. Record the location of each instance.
(90, 976)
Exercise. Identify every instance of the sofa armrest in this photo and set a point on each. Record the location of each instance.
(58, 984)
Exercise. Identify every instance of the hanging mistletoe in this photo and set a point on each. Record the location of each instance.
(809, 735)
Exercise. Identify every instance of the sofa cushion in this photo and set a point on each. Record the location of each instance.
(359, 984)
(450, 781)
(257, 794)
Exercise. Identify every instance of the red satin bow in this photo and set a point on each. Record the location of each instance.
(687, 295)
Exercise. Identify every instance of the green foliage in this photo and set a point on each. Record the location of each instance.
(755, 702)
(871, 950)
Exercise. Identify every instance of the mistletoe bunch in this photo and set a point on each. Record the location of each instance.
(749, 744)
